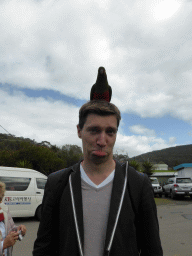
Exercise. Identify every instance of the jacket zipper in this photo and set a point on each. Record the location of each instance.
(118, 213)
(75, 217)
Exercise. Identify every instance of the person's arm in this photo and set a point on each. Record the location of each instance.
(10, 239)
(11, 224)
(12, 236)
(150, 242)
(44, 243)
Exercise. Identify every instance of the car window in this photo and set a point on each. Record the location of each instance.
(16, 183)
(170, 181)
(183, 180)
(154, 181)
(41, 183)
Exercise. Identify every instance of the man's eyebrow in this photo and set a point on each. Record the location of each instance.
(115, 129)
(93, 127)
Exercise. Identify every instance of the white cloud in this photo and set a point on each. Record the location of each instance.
(39, 119)
(163, 10)
(141, 130)
(172, 140)
(136, 145)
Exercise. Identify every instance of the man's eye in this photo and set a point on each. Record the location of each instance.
(94, 130)
(111, 131)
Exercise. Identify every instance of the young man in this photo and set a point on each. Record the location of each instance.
(98, 207)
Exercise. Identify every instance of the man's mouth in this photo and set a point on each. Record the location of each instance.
(99, 153)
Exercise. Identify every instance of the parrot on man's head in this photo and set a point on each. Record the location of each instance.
(101, 90)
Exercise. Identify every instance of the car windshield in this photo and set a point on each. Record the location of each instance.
(154, 181)
(183, 180)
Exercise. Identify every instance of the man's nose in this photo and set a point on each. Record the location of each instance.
(101, 139)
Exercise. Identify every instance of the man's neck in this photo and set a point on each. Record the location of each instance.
(98, 172)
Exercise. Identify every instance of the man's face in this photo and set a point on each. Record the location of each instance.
(98, 137)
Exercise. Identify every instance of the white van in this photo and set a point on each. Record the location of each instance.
(24, 191)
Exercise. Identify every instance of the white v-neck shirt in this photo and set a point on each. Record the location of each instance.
(91, 183)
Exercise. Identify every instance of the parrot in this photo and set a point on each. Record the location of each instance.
(101, 90)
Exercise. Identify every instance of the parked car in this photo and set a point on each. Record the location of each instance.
(178, 186)
(157, 188)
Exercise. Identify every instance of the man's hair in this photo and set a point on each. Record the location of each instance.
(98, 107)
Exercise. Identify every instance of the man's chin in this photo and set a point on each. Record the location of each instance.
(99, 159)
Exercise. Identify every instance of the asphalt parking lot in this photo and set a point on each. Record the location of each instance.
(175, 221)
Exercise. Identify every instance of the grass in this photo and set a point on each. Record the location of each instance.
(163, 171)
(163, 201)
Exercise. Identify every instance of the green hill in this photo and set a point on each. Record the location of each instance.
(171, 156)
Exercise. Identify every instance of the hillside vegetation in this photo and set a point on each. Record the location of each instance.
(171, 156)
(47, 158)
(43, 157)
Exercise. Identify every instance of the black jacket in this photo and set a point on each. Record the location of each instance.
(137, 228)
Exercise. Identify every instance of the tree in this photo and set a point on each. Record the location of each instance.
(71, 153)
(147, 168)
(8, 158)
(33, 156)
(121, 158)
(24, 164)
(134, 164)
(43, 157)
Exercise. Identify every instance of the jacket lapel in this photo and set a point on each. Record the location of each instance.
(76, 185)
(117, 189)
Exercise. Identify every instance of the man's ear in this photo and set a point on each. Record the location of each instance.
(79, 131)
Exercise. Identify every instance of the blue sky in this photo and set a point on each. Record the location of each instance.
(50, 53)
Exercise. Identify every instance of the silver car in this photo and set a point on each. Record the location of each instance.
(178, 186)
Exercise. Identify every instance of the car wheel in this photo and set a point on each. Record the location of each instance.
(160, 195)
(38, 213)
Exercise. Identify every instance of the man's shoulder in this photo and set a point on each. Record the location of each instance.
(62, 174)
(135, 178)
(59, 173)
(133, 173)
(136, 182)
